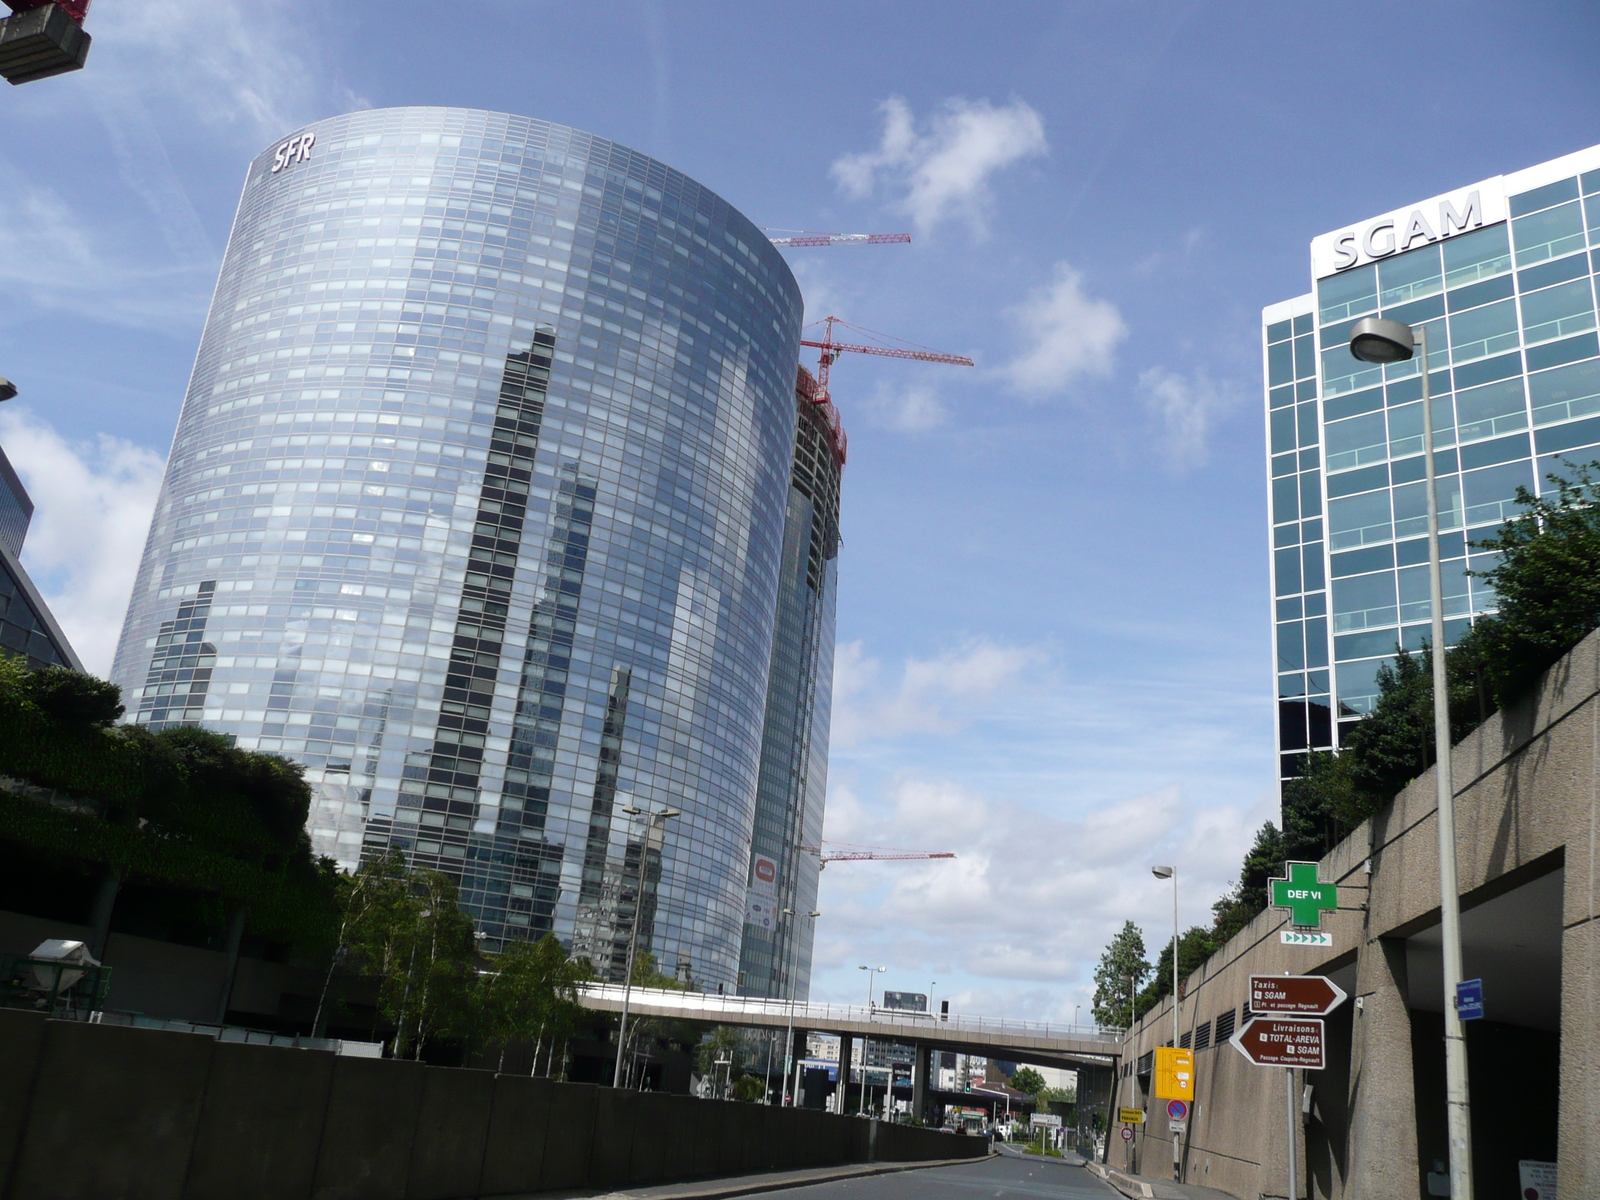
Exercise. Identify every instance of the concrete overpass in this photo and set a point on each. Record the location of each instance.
(1040, 1043)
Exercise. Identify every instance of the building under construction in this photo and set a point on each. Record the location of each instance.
(775, 956)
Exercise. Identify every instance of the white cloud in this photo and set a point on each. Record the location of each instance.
(945, 172)
(1017, 920)
(243, 65)
(915, 409)
(1067, 334)
(92, 506)
(1186, 408)
(937, 695)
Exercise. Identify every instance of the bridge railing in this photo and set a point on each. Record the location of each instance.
(704, 1006)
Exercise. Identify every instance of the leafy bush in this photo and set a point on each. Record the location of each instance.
(74, 698)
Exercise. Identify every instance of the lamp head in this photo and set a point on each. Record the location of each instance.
(1380, 340)
(8, 390)
(1163, 872)
(631, 810)
(669, 812)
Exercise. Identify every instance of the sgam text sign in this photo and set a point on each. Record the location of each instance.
(1281, 1042)
(1294, 995)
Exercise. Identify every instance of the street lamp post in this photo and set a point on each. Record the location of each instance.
(1172, 874)
(788, 1030)
(1382, 341)
(659, 816)
(866, 1041)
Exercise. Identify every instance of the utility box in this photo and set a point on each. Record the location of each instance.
(40, 40)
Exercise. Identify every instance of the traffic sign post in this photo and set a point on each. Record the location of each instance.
(1127, 1133)
(1131, 1116)
(1287, 1031)
(1177, 1109)
(1297, 995)
(1304, 895)
(1174, 1074)
(1469, 1000)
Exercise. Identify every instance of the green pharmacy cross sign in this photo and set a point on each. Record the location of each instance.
(1303, 895)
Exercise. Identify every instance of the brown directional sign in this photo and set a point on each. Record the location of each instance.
(1281, 1042)
(1297, 995)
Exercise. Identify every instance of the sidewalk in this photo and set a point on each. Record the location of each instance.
(746, 1185)
(1138, 1187)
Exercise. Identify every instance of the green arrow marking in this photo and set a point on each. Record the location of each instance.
(1303, 895)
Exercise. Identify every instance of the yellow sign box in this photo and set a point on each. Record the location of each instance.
(1174, 1074)
(1132, 1116)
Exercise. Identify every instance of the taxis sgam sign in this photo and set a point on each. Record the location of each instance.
(1174, 1074)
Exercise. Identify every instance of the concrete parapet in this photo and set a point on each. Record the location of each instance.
(100, 1110)
(261, 1124)
(113, 1112)
(447, 1152)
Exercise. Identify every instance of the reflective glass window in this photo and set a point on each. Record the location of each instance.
(1357, 441)
(1480, 332)
(1493, 409)
(1559, 311)
(1358, 686)
(1349, 294)
(1343, 372)
(1543, 197)
(1411, 506)
(1364, 602)
(1491, 493)
(1469, 257)
(1566, 392)
(1358, 520)
(1409, 276)
(1280, 364)
(1405, 427)
(1548, 234)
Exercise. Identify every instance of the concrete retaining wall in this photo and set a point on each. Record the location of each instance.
(109, 1111)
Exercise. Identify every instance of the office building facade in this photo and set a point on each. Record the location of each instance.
(1500, 275)
(477, 507)
(775, 958)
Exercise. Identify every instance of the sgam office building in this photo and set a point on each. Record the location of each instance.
(1500, 274)
(491, 486)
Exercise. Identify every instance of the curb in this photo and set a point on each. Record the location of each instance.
(1123, 1184)
(751, 1186)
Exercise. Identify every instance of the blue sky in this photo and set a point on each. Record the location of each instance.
(1053, 616)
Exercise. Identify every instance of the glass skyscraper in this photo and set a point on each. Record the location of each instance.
(479, 506)
(1500, 274)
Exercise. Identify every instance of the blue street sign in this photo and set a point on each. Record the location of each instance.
(1469, 999)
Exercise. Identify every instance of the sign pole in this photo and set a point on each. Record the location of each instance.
(1289, 1113)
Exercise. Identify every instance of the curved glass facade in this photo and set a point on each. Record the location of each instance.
(477, 506)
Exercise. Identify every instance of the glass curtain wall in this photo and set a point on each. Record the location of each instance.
(1515, 377)
(476, 508)
(794, 745)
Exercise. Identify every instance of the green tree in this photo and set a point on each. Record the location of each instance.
(1546, 579)
(74, 698)
(721, 1043)
(1194, 946)
(751, 1089)
(1123, 959)
(528, 994)
(1027, 1081)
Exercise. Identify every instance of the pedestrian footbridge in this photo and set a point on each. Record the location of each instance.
(1039, 1043)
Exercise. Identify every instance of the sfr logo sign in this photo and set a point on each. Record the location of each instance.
(296, 149)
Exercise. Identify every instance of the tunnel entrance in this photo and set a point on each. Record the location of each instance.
(1512, 942)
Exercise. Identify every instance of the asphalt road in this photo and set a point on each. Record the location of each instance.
(1011, 1174)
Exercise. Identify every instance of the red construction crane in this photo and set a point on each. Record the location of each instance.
(807, 238)
(832, 349)
(843, 852)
